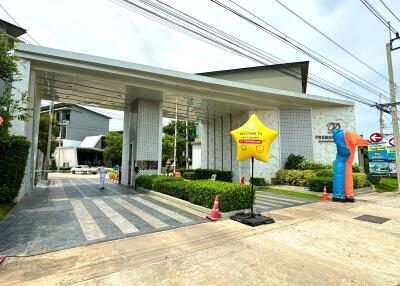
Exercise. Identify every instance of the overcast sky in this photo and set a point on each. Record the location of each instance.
(102, 28)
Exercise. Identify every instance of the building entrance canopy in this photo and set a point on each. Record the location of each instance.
(89, 80)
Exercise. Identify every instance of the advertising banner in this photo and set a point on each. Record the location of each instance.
(378, 159)
(391, 151)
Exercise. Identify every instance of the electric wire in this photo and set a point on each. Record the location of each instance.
(391, 12)
(156, 17)
(5, 10)
(329, 39)
(378, 15)
(303, 49)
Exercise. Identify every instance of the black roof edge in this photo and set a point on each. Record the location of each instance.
(13, 30)
(304, 65)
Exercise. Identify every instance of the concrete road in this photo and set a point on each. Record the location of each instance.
(312, 244)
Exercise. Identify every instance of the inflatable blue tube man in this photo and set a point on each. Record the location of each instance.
(339, 171)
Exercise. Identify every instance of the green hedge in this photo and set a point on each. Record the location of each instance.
(177, 189)
(360, 180)
(316, 184)
(324, 173)
(258, 181)
(112, 175)
(294, 177)
(314, 165)
(232, 196)
(293, 162)
(189, 175)
(13, 156)
(205, 174)
(147, 181)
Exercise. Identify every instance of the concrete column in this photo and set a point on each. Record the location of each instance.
(125, 144)
(26, 83)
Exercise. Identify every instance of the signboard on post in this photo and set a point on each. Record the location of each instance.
(378, 159)
(391, 151)
(376, 137)
(391, 142)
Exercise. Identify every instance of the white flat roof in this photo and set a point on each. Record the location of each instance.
(131, 80)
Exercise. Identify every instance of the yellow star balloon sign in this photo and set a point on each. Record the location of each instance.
(253, 139)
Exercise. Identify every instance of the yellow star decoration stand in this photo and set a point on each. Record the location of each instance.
(253, 139)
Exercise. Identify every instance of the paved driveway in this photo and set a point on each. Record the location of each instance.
(73, 212)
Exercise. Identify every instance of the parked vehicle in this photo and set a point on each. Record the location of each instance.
(84, 169)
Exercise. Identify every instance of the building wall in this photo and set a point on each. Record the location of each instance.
(221, 151)
(326, 151)
(196, 156)
(86, 123)
(68, 154)
(268, 78)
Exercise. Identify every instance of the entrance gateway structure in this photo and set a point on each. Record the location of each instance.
(221, 101)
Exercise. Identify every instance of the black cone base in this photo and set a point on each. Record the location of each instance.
(252, 220)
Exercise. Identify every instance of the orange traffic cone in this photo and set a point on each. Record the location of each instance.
(242, 180)
(215, 211)
(324, 195)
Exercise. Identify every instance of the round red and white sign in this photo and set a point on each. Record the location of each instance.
(376, 137)
(391, 142)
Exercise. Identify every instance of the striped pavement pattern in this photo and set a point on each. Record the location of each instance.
(117, 211)
(267, 201)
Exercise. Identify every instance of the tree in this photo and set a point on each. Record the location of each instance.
(168, 149)
(113, 147)
(168, 141)
(10, 108)
(169, 129)
(43, 134)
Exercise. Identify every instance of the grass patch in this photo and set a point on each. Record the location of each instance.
(292, 193)
(4, 209)
(387, 185)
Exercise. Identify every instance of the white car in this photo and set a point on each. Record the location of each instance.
(84, 169)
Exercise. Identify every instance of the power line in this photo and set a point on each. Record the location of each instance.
(378, 15)
(304, 49)
(391, 12)
(12, 18)
(330, 39)
(184, 23)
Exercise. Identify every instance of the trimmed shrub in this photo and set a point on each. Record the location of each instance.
(275, 181)
(356, 169)
(324, 173)
(359, 180)
(375, 180)
(293, 162)
(258, 181)
(189, 175)
(314, 165)
(147, 181)
(112, 175)
(175, 188)
(232, 196)
(294, 177)
(13, 156)
(205, 174)
(316, 184)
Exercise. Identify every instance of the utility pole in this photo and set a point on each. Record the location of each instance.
(393, 107)
(47, 158)
(59, 142)
(380, 116)
(176, 131)
(187, 136)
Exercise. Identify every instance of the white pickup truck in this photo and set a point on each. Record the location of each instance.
(84, 169)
